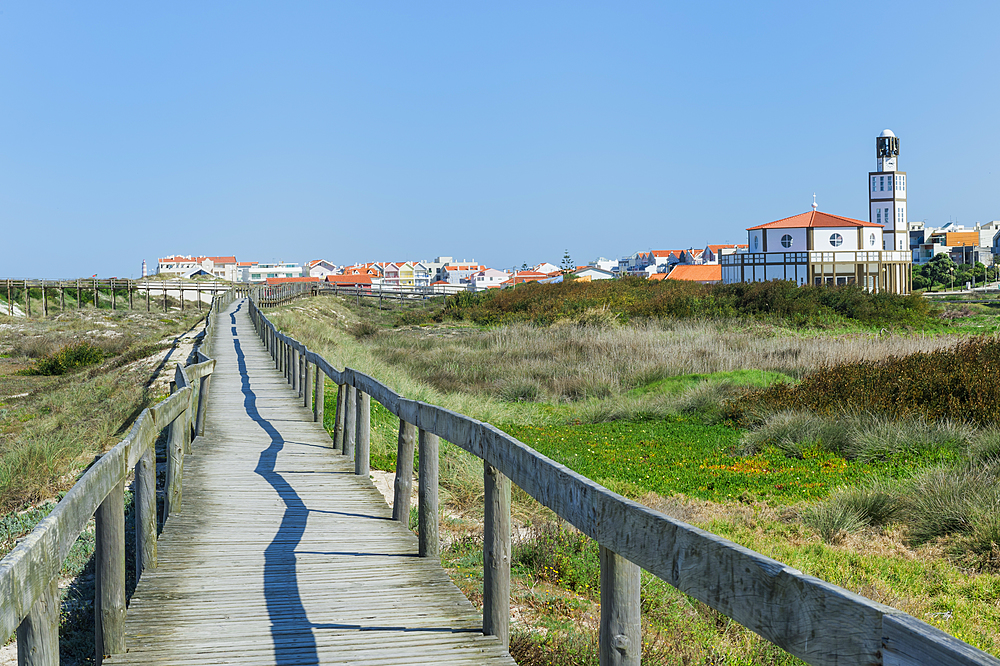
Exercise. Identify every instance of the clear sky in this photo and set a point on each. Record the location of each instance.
(505, 132)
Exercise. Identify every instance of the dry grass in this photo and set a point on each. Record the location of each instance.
(572, 361)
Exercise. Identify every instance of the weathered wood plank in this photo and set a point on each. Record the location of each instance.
(38, 634)
(109, 574)
(362, 458)
(620, 637)
(427, 494)
(403, 482)
(496, 554)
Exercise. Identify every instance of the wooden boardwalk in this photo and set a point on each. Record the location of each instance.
(279, 554)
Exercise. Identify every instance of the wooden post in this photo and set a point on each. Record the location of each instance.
(181, 292)
(145, 512)
(203, 384)
(350, 421)
(307, 383)
(97, 297)
(79, 295)
(318, 400)
(164, 296)
(147, 296)
(362, 460)
(45, 302)
(27, 297)
(175, 466)
(113, 307)
(427, 494)
(109, 574)
(131, 287)
(620, 637)
(496, 554)
(403, 485)
(38, 633)
(340, 417)
(62, 298)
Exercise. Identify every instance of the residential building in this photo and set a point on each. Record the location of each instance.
(223, 268)
(320, 268)
(593, 273)
(459, 273)
(605, 264)
(887, 194)
(490, 278)
(261, 272)
(711, 253)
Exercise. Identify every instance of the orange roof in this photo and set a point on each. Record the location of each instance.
(349, 279)
(198, 260)
(696, 273)
(439, 282)
(247, 263)
(657, 276)
(666, 253)
(814, 218)
(727, 246)
(291, 279)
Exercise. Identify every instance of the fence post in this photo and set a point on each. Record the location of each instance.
(340, 417)
(307, 381)
(175, 466)
(496, 554)
(300, 372)
(362, 461)
(38, 633)
(620, 639)
(109, 570)
(350, 420)
(403, 484)
(318, 401)
(427, 494)
(203, 385)
(145, 511)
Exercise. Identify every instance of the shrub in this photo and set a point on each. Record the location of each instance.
(964, 379)
(833, 521)
(944, 501)
(69, 358)
(875, 503)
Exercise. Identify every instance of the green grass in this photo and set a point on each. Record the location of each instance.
(680, 383)
(683, 455)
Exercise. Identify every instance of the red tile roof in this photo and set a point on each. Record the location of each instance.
(814, 218)
(349, 279)
(697, 273)
(667, 253)
(727, 246)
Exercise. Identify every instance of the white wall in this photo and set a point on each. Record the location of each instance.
(821, 238)
(774, 237)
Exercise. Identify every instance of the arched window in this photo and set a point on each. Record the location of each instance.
(836, 240)
(871, 240)
(755, 242)
(786, 240)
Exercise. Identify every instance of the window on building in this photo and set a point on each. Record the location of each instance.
(836, 240)
(878, 216)
(871, 240)
(755, 242)
(904, 183)
(881, 183)
(873, 183)
(786, 240)
(887, 218)
(900, 243)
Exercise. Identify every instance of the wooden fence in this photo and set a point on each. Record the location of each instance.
(29, 573)
(116, 293)
(810, 618)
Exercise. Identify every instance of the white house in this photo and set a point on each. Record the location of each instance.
(490, 278)
(594, 273)
(321, 268)
(260, 272)
(224, 268)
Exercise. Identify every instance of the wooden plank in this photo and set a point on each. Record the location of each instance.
(908, 642)
(145, 513)
(362, 457)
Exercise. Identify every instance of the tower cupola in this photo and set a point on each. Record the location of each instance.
(886, 150)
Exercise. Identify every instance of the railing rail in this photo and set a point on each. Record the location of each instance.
(810, 618)
(29, 573)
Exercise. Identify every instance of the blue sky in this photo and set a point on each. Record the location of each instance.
(505, 132)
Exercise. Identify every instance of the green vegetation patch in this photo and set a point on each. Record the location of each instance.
(681, 383)
(681, 455)
(629, 298)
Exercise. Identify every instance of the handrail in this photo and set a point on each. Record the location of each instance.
(812, 619)
(29, 573)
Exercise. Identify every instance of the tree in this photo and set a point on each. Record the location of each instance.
(567, 262)
(939, 269)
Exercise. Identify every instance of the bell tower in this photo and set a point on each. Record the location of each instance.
(887, 194)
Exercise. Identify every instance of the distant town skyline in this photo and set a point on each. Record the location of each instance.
(360, 132)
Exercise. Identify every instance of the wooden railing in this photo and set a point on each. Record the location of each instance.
(29, 573)
(117, 293)
(810, 618)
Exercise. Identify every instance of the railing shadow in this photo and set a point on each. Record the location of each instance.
(291, 630)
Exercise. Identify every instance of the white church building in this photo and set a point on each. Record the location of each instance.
(820, 248)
